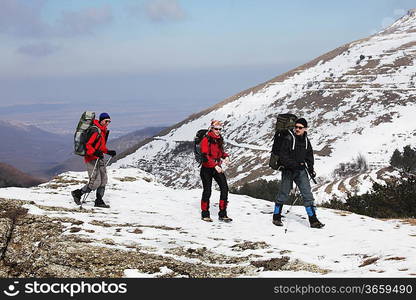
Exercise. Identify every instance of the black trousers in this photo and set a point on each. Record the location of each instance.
(206, 175)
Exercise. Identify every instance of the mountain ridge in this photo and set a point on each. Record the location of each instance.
(358, 97)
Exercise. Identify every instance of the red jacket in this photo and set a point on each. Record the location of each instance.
(212, 150)
(97, 141)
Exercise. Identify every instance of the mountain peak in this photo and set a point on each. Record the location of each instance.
(407, 23)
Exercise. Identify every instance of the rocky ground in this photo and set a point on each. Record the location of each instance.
(43, 246)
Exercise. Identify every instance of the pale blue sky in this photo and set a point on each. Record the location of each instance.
(158, 52)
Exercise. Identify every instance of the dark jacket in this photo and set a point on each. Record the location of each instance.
(212, 148)
(97, 141)
(295, 150)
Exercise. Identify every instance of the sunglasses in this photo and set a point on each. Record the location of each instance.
(299, 127)
(107, 121)
(217, 128)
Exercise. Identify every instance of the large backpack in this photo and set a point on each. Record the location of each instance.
(84, 131)
(197, 141)
(284, 124)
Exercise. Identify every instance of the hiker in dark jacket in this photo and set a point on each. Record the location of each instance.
(94, 160)
(296, 156)
(213, 156)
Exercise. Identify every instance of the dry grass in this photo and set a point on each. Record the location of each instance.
(409, 221)
(369, 261)
(127, 178)
(396, 258)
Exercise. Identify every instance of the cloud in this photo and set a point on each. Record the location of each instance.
(84, 21)
(164, 10)
(22, 18)
(38, 50)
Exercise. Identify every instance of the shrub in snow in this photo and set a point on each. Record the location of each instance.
(404, 161)
(261, 189)
(355, 166)
(396, 199)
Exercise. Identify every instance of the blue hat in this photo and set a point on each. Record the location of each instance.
(104, 116)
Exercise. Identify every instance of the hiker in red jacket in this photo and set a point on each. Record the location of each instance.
(94, 159)
(213, 157)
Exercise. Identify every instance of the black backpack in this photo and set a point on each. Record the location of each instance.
(284, 124)
(197, 150)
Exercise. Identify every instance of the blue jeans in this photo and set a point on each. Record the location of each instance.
(300, 177)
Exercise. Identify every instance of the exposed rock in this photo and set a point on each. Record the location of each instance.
(247, 245)
(40, 246)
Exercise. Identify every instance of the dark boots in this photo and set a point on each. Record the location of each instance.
(77, 194)
(205, 216)
(277, 215)
(100, 203)
(222, 216)
(313, 220)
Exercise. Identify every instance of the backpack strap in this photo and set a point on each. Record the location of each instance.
(93, 128)
(293, 139)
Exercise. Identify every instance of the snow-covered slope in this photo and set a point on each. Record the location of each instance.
(358, 98)
(166, 222)
(356, 184)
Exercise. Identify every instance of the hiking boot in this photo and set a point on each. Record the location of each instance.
(205, 216)
(222, 216)
(314, 222)
(277, 220)
(76, 195)
(225, 219)
(277, 214)
(100, 203)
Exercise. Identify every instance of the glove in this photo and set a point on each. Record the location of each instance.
(226, 160)
(98, 153)
(218, 169)
(111, 152)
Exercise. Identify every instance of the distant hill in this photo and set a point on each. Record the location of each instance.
(43, 154)
(30, 149)
(120, 144)
(10, 176)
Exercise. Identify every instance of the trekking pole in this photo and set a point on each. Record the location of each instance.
(309, 175)
(89, 181)
(297, 196)
(108, 161)
(294, 202)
